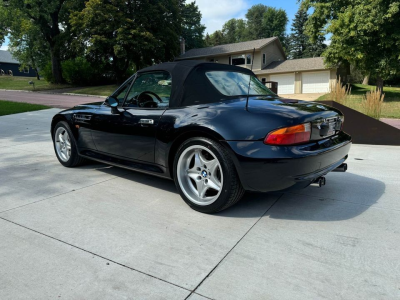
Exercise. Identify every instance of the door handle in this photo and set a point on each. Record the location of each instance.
(146, 121)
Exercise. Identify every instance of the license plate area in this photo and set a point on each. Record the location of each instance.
(328, 127)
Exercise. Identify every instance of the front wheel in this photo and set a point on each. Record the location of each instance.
(205, 176)
(65, 146)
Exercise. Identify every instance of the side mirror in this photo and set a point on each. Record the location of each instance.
(111, 102)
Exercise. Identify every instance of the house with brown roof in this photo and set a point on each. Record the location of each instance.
(294, 76)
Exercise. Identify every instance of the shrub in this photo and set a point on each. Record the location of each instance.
(47, 73)
(372, 103)
(78, 71)
(339, 92)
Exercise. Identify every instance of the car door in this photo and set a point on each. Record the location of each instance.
(129, 131)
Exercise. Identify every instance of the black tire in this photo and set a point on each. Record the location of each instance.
(75, 159)
(232, 190)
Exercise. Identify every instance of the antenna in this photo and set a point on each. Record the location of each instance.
(248, 90)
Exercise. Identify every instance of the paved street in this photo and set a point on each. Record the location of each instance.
(52, 100)
(99, 232)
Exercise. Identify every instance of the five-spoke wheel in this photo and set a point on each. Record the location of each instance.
(205, 175)
(62, 144)
(200, 175)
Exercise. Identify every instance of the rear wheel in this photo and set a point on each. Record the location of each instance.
(205, 176)
(65, 146)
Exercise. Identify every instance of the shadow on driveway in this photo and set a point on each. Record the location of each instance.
(290, 205)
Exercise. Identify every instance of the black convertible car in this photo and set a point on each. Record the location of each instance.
(214, 129)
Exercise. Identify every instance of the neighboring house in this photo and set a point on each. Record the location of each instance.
(7, 63)
(307, 75)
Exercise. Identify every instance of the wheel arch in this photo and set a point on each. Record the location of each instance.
(57, 118)
(195, 132)
(66, 118)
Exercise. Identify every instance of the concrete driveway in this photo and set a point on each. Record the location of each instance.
(99, 232)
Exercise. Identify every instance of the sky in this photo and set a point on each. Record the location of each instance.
(216, 12)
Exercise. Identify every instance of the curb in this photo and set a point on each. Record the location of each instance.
(24, 91)
(52, 93)
(83, 95)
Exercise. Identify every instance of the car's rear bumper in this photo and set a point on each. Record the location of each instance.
(268, 168)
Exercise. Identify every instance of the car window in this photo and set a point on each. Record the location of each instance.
(150, 90)
(120, 96)
(237, 84)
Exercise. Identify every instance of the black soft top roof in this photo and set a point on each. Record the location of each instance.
(190, 86)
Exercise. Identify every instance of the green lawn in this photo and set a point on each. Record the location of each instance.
(391, 103)
(22, 83)
(9, 108)
(104, 90)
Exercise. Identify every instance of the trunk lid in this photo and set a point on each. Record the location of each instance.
(325, 120)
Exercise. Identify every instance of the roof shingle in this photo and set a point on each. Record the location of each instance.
(227, 48)
(6, 57)
(293, 65)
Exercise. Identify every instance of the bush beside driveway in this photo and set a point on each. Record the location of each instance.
(103, 232)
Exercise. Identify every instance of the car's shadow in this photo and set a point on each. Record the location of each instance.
(345, 196)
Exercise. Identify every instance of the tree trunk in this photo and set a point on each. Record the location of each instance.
(56, 67)
(37, 74)
(366, 80)
(379, 84)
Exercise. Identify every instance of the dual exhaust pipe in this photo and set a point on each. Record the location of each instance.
(321, 181)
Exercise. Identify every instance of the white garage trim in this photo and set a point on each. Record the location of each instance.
(285, 83)
(315, 82)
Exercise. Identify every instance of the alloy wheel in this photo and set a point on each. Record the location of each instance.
(200, 175)
(62, 142)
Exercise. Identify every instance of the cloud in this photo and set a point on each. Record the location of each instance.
(216, 12)
(4, 47)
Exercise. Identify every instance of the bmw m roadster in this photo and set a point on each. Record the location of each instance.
(214, 129)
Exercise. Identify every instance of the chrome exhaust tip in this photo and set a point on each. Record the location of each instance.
(320, 181)
(341, 168)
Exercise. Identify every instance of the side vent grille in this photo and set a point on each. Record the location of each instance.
(82, 118)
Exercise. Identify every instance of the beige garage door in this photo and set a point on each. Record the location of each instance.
(285, 83)
(315, 82)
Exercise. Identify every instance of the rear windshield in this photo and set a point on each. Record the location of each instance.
(237, 84)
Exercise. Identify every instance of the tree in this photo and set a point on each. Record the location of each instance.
(274, 22)
(234, 31)
(254, 18)
(49, 17)
(124, 32)
(298, 40)
(207, 41)
(264, 22)
(192, 29)
(315, 48)
(299, 44)
(217, 38)
(366, 33)
(27, 48)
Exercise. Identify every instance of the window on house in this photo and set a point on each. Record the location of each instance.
(238, 60)
(26, 70)
(248, 59)
(211, 59)
(264, 58)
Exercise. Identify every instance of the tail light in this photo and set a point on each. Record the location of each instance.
(289, 135)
